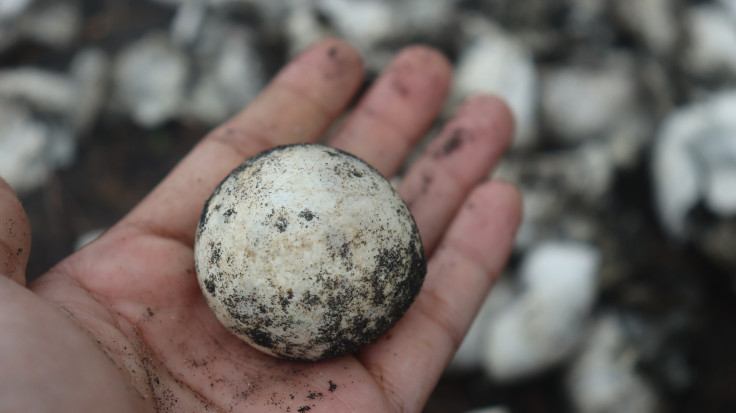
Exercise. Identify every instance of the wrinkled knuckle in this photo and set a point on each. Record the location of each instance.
(439, 311)
(244, 142)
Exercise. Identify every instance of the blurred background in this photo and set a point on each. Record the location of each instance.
(621, 292)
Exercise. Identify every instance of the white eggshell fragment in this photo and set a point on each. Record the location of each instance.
(306, 252)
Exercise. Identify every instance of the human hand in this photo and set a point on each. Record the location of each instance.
(121, 325)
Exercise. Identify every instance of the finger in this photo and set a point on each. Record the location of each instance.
(397, 110)
(412, 356)
(298, 106)
(15, 236)
(463, 154)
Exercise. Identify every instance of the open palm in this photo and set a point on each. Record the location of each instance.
(122, 326)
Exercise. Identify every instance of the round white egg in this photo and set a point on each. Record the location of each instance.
(307, 253)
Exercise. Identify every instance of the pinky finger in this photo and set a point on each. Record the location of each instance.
(409, 360)
(15, 236)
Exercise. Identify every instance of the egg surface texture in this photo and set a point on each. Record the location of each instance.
(307, 253)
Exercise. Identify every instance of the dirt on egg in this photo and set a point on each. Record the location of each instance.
(308, 253)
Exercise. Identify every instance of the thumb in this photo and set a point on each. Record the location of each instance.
(15, 236)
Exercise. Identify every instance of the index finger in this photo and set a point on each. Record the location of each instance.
(298, 106)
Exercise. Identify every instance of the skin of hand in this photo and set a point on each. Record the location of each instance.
(121, 325)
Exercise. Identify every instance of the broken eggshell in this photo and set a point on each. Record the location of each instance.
(307, 253)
